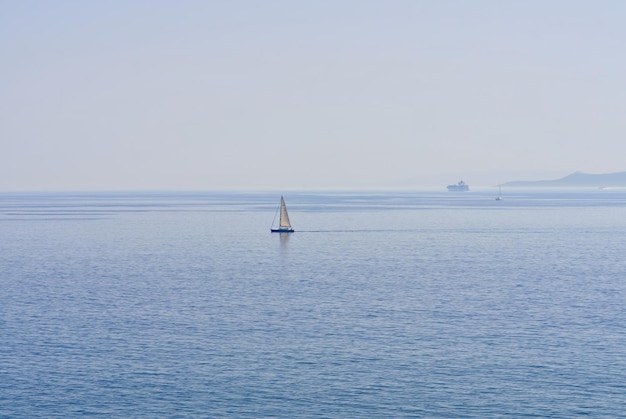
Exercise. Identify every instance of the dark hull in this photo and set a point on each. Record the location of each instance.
(282, 230)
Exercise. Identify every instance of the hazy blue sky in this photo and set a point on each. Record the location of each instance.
(296, 94)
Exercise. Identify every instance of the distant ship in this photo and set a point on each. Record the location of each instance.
(458, 187)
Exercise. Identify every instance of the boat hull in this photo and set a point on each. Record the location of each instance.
(457, 188)
(282, 230)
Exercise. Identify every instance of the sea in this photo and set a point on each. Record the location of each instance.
(382, 304)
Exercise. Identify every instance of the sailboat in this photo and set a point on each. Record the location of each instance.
(284, 226)
(499, 197)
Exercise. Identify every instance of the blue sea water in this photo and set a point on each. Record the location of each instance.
(382, 304)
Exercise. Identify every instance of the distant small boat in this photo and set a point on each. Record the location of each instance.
(284, 226)
(499, 197)
(458, 187)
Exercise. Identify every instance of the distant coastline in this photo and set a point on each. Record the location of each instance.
(576, 180)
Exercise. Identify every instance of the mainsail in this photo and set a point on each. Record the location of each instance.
(284, 217)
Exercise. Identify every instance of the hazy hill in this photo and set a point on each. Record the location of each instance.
(577, 179)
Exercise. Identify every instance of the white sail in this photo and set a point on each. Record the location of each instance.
(284, 217)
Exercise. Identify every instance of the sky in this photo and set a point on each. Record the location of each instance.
(283, 94)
